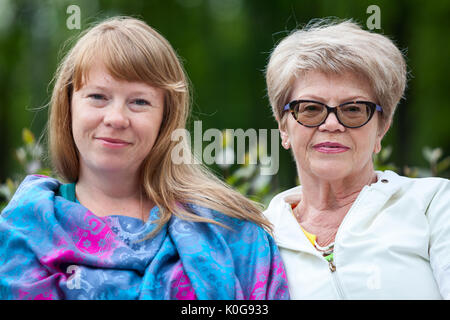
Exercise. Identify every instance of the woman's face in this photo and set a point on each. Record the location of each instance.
(115, 123)
(315, 149)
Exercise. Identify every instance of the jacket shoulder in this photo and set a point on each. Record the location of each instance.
(424, 187)
(278, 204)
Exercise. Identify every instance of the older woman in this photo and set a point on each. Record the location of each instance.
(129, 223)
(349, 231)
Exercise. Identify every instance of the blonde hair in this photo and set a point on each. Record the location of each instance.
(335, 47)
(133, 51)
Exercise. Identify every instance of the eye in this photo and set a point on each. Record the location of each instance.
(96, 96)
(141, 102)
(97, 99)
(310, 108)
(353, 108)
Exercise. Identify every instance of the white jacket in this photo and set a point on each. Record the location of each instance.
(394, 243)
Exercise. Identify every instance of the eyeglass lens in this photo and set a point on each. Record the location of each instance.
(351, 115)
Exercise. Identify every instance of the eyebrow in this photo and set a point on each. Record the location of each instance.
(97, 87)
(320, 99)
(92, 87)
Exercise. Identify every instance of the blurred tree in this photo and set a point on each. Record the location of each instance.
(225, 45)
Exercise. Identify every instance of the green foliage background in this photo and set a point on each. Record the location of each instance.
(225, 46)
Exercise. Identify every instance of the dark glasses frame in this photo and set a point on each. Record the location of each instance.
(372, 107)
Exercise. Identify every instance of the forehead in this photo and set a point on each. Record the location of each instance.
(99, 78)
(117, 60)
(331, 86)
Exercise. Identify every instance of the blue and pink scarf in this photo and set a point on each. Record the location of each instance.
(52, 248)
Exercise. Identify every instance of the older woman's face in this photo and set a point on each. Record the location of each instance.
(115, 123)
(332, 151)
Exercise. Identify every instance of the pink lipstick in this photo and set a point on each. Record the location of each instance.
(330, 147)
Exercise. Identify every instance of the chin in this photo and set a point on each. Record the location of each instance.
(108, 165)
(331, 170)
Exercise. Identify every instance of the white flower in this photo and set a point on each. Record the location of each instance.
(33, 167)
(225, 157)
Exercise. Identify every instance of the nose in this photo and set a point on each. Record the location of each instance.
(116, 116)
(331, 124)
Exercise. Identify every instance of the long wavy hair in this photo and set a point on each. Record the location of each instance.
(133, 51)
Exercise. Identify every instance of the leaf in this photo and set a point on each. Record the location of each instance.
(385, 153)
(443, 165)
(10, 184)
(27, 136)
(231, 180)
(7, 190)
(45, 172)
(243, 189)
(410, 172)
(261, 182)
(245, 172)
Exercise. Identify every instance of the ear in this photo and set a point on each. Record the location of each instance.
(284, 136)
(380, 135)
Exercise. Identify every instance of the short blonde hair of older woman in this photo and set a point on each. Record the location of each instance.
(133, 51)
(331, 46)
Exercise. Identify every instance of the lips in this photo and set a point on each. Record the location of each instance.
(113, 142)
(330, 147)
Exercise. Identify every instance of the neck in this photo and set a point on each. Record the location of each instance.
(324, 195)
(111, 193)
(325, 203)
(109, 185)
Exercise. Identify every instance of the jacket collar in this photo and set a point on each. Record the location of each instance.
(287, 231)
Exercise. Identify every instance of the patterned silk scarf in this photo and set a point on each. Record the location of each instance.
(52, 248)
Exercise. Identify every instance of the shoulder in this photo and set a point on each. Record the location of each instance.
(415, 197)
(279, 204)
(33, 189)
(231, 229)
(26, 217)
(37, 183)
(430, 188)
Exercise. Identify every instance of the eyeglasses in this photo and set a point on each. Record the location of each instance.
(312, 113)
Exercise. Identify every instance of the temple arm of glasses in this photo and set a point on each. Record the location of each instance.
(379, 108)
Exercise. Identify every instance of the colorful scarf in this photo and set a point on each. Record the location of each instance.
(52, 248)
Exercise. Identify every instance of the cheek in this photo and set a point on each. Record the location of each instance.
(300, 139)
(83, 123)
(366, 144)
(77, 125)
(148, 131)
(299, 144)
(298, 133)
